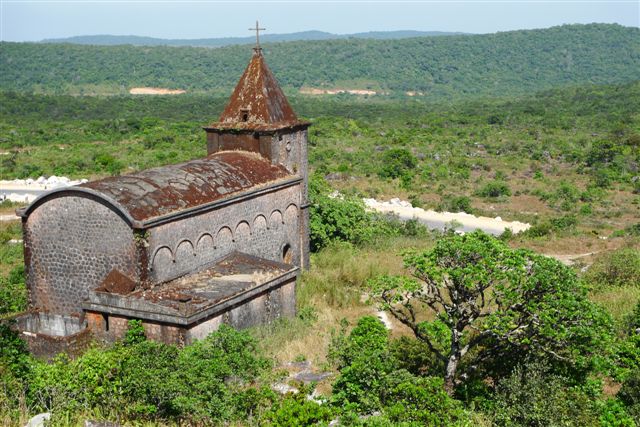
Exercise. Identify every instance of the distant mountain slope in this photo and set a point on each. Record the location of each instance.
(456, 66)
(111, 40)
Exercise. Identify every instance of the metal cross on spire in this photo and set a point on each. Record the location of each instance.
(257, 29)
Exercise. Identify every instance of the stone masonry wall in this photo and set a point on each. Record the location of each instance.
(285, 147)
(263, 308)
(261, 226)
(47, 346)
(290, 149)
(71, 244)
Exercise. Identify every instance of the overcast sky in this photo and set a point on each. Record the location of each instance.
(24, 20)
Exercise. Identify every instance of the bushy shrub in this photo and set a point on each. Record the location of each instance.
(336, 217)
(295, 410)
(602, 178)
(560, 224)
(411, 227)
(423, 401)
(397, 162)
(12, 396)
(494, 189)
(15, 370)
(13, 291)
(135, 332)
(14, 355)
(372, 379)
(613, 413)
(539, 230)
(617, 268)
(415, 357)
(364, 363)
(632, 321)
(629, 394)
(533, 396)
(567, 192)
(602, 153)
(565, 222)
(205, 382)
(452, 203)
(566, 195)
(108, 163)
(633, 230)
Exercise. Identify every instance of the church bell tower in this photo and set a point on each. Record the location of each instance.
(259, 118)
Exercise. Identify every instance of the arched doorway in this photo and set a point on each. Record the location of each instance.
(287, 254)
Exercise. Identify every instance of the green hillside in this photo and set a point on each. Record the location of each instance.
(111, 40)
(456, 66)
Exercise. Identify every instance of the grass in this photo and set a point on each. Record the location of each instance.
(332, 290)
(619, 301)
(10, 253)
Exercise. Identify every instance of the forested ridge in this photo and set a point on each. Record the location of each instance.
(455, 66)
(110, 40)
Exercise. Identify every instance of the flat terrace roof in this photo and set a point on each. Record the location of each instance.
(228, 282)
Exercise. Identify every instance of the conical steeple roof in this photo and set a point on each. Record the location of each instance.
(257, 103)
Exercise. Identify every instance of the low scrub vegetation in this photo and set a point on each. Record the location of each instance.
(484, 331)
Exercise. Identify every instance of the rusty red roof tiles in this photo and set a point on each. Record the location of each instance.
(257, 103)
(169, 189)
(117, 283)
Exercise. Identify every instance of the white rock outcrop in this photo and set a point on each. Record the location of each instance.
(460, 221)
(27, 190)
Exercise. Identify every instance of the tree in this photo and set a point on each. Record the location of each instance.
(335, 217)
(397, 162)
(491, 301)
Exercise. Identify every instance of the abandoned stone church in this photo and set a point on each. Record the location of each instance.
(184, 247)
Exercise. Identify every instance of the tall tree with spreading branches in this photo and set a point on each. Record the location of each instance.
(490, 300)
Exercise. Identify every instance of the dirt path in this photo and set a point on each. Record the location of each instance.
(570, 259)
(316, 91)
(155, 91)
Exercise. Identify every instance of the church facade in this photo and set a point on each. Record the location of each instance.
(184, 247)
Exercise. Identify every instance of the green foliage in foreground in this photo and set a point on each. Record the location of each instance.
(13, 291)
(370, 381)
(494, 304)
(533, 395)
(225, 379)
(209, 381)
(373, 380)
(335, 217)
(629, 395)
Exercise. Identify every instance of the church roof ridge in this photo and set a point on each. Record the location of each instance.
(173, 189)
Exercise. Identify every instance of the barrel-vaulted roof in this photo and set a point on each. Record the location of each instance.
(166, 191)
(258, 102)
